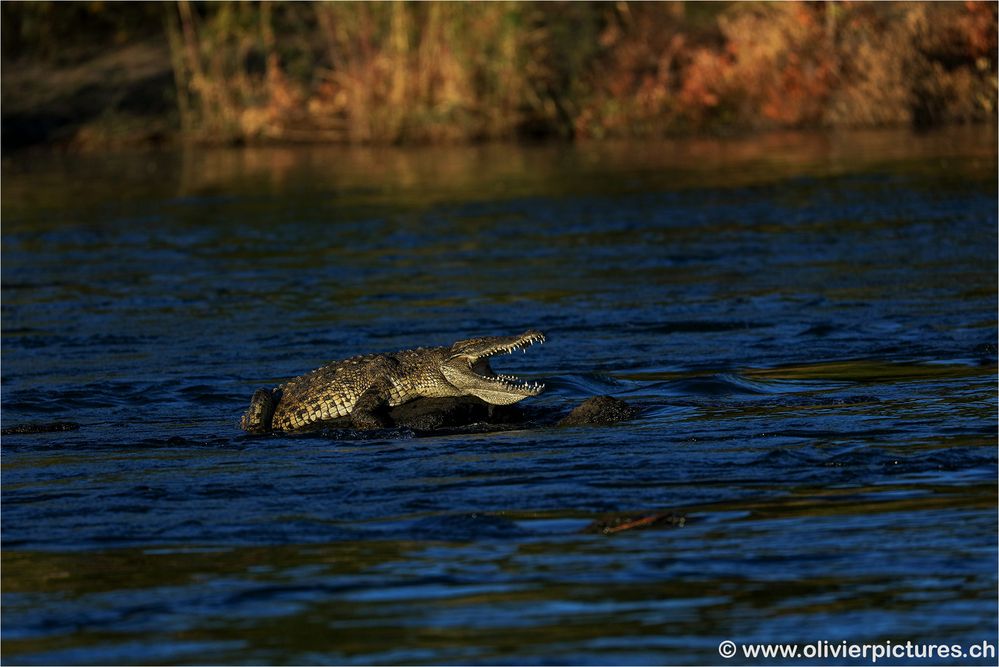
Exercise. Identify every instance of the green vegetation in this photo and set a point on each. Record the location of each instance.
(402, 72)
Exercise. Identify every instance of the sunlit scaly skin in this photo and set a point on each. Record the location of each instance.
(361, 387)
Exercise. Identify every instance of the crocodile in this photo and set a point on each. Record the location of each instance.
(364, 387)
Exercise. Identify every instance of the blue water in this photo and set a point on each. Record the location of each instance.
(807, 322)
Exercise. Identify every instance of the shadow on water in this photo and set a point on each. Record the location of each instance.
(807, 324)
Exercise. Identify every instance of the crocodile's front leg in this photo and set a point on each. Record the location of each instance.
(371, 409)
(257, 418)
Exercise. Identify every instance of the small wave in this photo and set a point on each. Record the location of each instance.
(713, 386)
(584, 384)
(693, 326)
(464, 528)
(942, 460)
(783, 458)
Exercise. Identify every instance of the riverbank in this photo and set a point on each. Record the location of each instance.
(117, 98)
(397, 73)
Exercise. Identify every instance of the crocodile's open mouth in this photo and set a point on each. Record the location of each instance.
(480, 365)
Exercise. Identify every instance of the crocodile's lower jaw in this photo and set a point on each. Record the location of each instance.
(499, 397)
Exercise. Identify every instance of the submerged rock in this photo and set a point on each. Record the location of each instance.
(430, 414)
(467, 413)
(599, 410)
(436, 414)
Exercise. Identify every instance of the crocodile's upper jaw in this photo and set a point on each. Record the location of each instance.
(468, 369)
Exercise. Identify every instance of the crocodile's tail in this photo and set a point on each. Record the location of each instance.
(258, 416)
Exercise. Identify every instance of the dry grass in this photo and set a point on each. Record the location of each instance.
(794, 65)
(378, 72)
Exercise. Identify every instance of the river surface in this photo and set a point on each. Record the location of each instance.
(808, 324)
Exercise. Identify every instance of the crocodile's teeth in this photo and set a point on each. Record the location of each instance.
(511, 381)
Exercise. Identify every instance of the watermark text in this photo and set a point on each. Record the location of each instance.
(887, 650)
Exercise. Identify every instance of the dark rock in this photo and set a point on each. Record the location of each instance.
(37, 427)
(599, 410)
(435, 414)
(430, 414)
(467, 413)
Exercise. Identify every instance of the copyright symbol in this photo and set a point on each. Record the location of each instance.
(727, 649)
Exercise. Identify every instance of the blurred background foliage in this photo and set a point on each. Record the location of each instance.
(404, 72)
